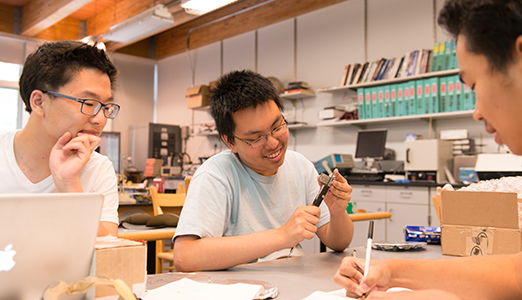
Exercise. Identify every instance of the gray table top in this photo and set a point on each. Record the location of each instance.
(298, 277)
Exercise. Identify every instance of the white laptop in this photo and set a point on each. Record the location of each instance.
(46, 238)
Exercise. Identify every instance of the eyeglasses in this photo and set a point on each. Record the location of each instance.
(260, 141)
(91, 107)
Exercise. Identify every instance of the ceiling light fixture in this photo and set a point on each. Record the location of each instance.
(142, 25)
(200, 7)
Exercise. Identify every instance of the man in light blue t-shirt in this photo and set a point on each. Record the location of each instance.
(254, 200)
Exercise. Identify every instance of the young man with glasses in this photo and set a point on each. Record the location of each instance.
(255, 199)
(67, 89)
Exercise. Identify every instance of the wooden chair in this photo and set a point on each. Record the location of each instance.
(161, 201)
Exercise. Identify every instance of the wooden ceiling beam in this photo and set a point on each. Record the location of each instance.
(38, 15)
(173, 41)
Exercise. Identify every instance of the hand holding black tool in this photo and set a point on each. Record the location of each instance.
(327, 182)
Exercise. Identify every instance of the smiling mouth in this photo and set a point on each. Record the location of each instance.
(274, 155)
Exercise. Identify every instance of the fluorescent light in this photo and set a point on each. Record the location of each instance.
(199, 7)
(144, 24)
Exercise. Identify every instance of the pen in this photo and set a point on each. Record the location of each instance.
(368, 253)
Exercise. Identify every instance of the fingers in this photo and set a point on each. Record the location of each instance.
(83, 143)
(63, 140)
(350, 275)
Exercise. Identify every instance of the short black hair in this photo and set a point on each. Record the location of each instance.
(239, 90)
(491, 27)
(54, 64)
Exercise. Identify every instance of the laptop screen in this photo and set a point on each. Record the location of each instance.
(45, 238)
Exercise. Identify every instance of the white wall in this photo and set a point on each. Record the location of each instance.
(327, 39)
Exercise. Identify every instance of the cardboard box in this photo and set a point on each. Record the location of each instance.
(197, 96)
(123, 259)
(479, 223)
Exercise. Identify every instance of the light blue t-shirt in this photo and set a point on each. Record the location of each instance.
(226, 198)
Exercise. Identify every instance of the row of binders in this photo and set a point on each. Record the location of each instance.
(441, 57)
(415, 97)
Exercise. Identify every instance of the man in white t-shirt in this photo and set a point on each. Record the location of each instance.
(255, 200)
(67, 89)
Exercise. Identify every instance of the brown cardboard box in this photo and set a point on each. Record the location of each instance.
(123, 259)
(197, 96)
(479, 223)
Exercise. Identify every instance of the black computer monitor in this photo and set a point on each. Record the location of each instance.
(110, 147)
(371, 144)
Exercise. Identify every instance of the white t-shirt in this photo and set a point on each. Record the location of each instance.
(226, 198)
(97, 176)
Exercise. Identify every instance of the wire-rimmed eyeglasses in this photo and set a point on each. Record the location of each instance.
(260, 141)
(91, 107)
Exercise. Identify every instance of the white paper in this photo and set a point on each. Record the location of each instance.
(341, 294)
(189, 289)
(333, 295)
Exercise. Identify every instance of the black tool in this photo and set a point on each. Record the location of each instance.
(327, 182)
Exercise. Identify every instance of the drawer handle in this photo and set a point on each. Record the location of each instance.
(366, 191)
(407, 194)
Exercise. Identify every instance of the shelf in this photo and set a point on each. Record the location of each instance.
(387, 81)
(445, 115)
(296, 95)
(207, 133)
(300, 126)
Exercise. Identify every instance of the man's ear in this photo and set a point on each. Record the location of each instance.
(36, 101)
(518, 51)
(230, 145)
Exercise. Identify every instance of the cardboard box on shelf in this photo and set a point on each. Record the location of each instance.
(478, 223)
(123, 259)
(197, 96)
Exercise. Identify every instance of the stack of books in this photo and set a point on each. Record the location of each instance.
(441, 57)
(298, 87)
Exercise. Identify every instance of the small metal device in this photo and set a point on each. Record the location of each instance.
(327, 182)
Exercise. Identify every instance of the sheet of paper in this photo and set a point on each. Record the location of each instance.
(333, 295)
(341, 294)
(189, 289)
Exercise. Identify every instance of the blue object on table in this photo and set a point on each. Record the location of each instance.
(428, 234)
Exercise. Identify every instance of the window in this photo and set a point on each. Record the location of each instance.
(11, 112)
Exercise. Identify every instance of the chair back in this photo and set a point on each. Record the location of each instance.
(160, 200)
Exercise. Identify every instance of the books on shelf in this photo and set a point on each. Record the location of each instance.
(417, 62)
(415, 97)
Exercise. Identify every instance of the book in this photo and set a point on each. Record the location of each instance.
(345, 74)
(434, 58)
(397, 69)
(354, 70)
(360, 73)
(434, 103)
(367, 103)
(450, 86)
(387, 102)
(389, 68)
(360, 104)
(418, 62)
(443, 95)
(393, 100)
(458, 93)
(370, 70)
(426, 95)
(297, 91)
(419, 97)
(378, 68)
(383, 69)
(405, 65)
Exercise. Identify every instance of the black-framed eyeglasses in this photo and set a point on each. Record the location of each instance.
(91, 107)
(260, 141)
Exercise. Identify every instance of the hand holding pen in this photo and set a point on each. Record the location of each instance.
(368, 254)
